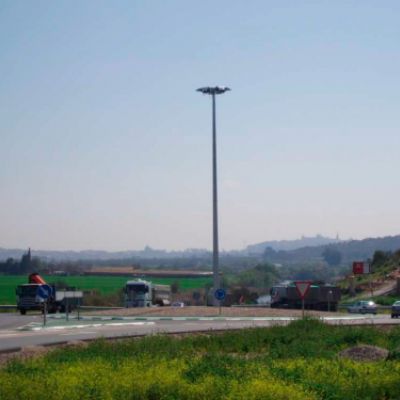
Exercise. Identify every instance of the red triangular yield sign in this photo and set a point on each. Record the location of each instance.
(302, 288)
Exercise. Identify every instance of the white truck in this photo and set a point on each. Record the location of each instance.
(139, 293)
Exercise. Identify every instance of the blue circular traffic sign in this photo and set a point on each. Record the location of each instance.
(44, 292)
(220, 294)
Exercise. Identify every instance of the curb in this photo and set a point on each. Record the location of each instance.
(11, 350)
(90, 322)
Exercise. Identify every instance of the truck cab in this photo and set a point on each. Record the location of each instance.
(138, 294)
(26, 297)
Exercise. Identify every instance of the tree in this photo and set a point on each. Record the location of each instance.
(36, 265)
(332, 256)
(380, 257)
(269, 253)
(10, 266)
(261, 276)
(25, 264)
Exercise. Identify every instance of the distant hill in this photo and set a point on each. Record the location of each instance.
(101, 255)
(351, 250)
(288, 245)
(287, 252)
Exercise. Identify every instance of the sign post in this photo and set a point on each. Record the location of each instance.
(220, 296)
(302, 290)
(44, 313)
(329, 300)
(43, 292)
(361, 268)
(66, 295)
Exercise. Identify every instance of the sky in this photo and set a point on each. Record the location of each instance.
(105, 143)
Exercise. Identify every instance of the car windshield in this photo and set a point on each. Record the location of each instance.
(396, 303)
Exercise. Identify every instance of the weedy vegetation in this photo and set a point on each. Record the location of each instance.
(296, 362)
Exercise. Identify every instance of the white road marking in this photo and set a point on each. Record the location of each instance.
(8, 334)
(113, 324)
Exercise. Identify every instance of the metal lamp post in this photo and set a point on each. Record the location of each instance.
(213, 91)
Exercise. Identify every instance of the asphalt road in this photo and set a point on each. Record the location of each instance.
(15, 320)
(11, 338)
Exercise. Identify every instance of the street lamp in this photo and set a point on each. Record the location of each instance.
(214, 91)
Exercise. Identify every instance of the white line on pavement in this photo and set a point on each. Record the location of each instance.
(112, 324)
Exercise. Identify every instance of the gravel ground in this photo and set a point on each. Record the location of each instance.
(209, 312)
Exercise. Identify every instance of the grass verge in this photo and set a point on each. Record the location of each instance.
(295, 362)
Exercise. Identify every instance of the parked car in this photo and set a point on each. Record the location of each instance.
(178, 304)
(396, 309)
(363, 307)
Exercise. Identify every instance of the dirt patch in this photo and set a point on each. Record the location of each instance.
(36, 351)
(365, 353)
(23, 354)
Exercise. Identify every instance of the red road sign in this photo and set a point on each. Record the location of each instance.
(358, 267)
(361, 267)
(302, 288)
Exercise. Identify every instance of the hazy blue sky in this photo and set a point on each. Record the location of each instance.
(106, 145)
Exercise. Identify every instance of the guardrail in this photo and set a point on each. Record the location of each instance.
(8, 307)
(14, 307)
(100, 308)
(345, 306)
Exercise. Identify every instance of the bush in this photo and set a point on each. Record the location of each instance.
(95, 298)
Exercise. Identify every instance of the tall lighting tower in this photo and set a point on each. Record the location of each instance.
(213, 91)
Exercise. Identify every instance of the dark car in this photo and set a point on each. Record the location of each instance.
(396, 309)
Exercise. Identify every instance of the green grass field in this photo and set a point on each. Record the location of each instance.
(298, 362)
(104, 284)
